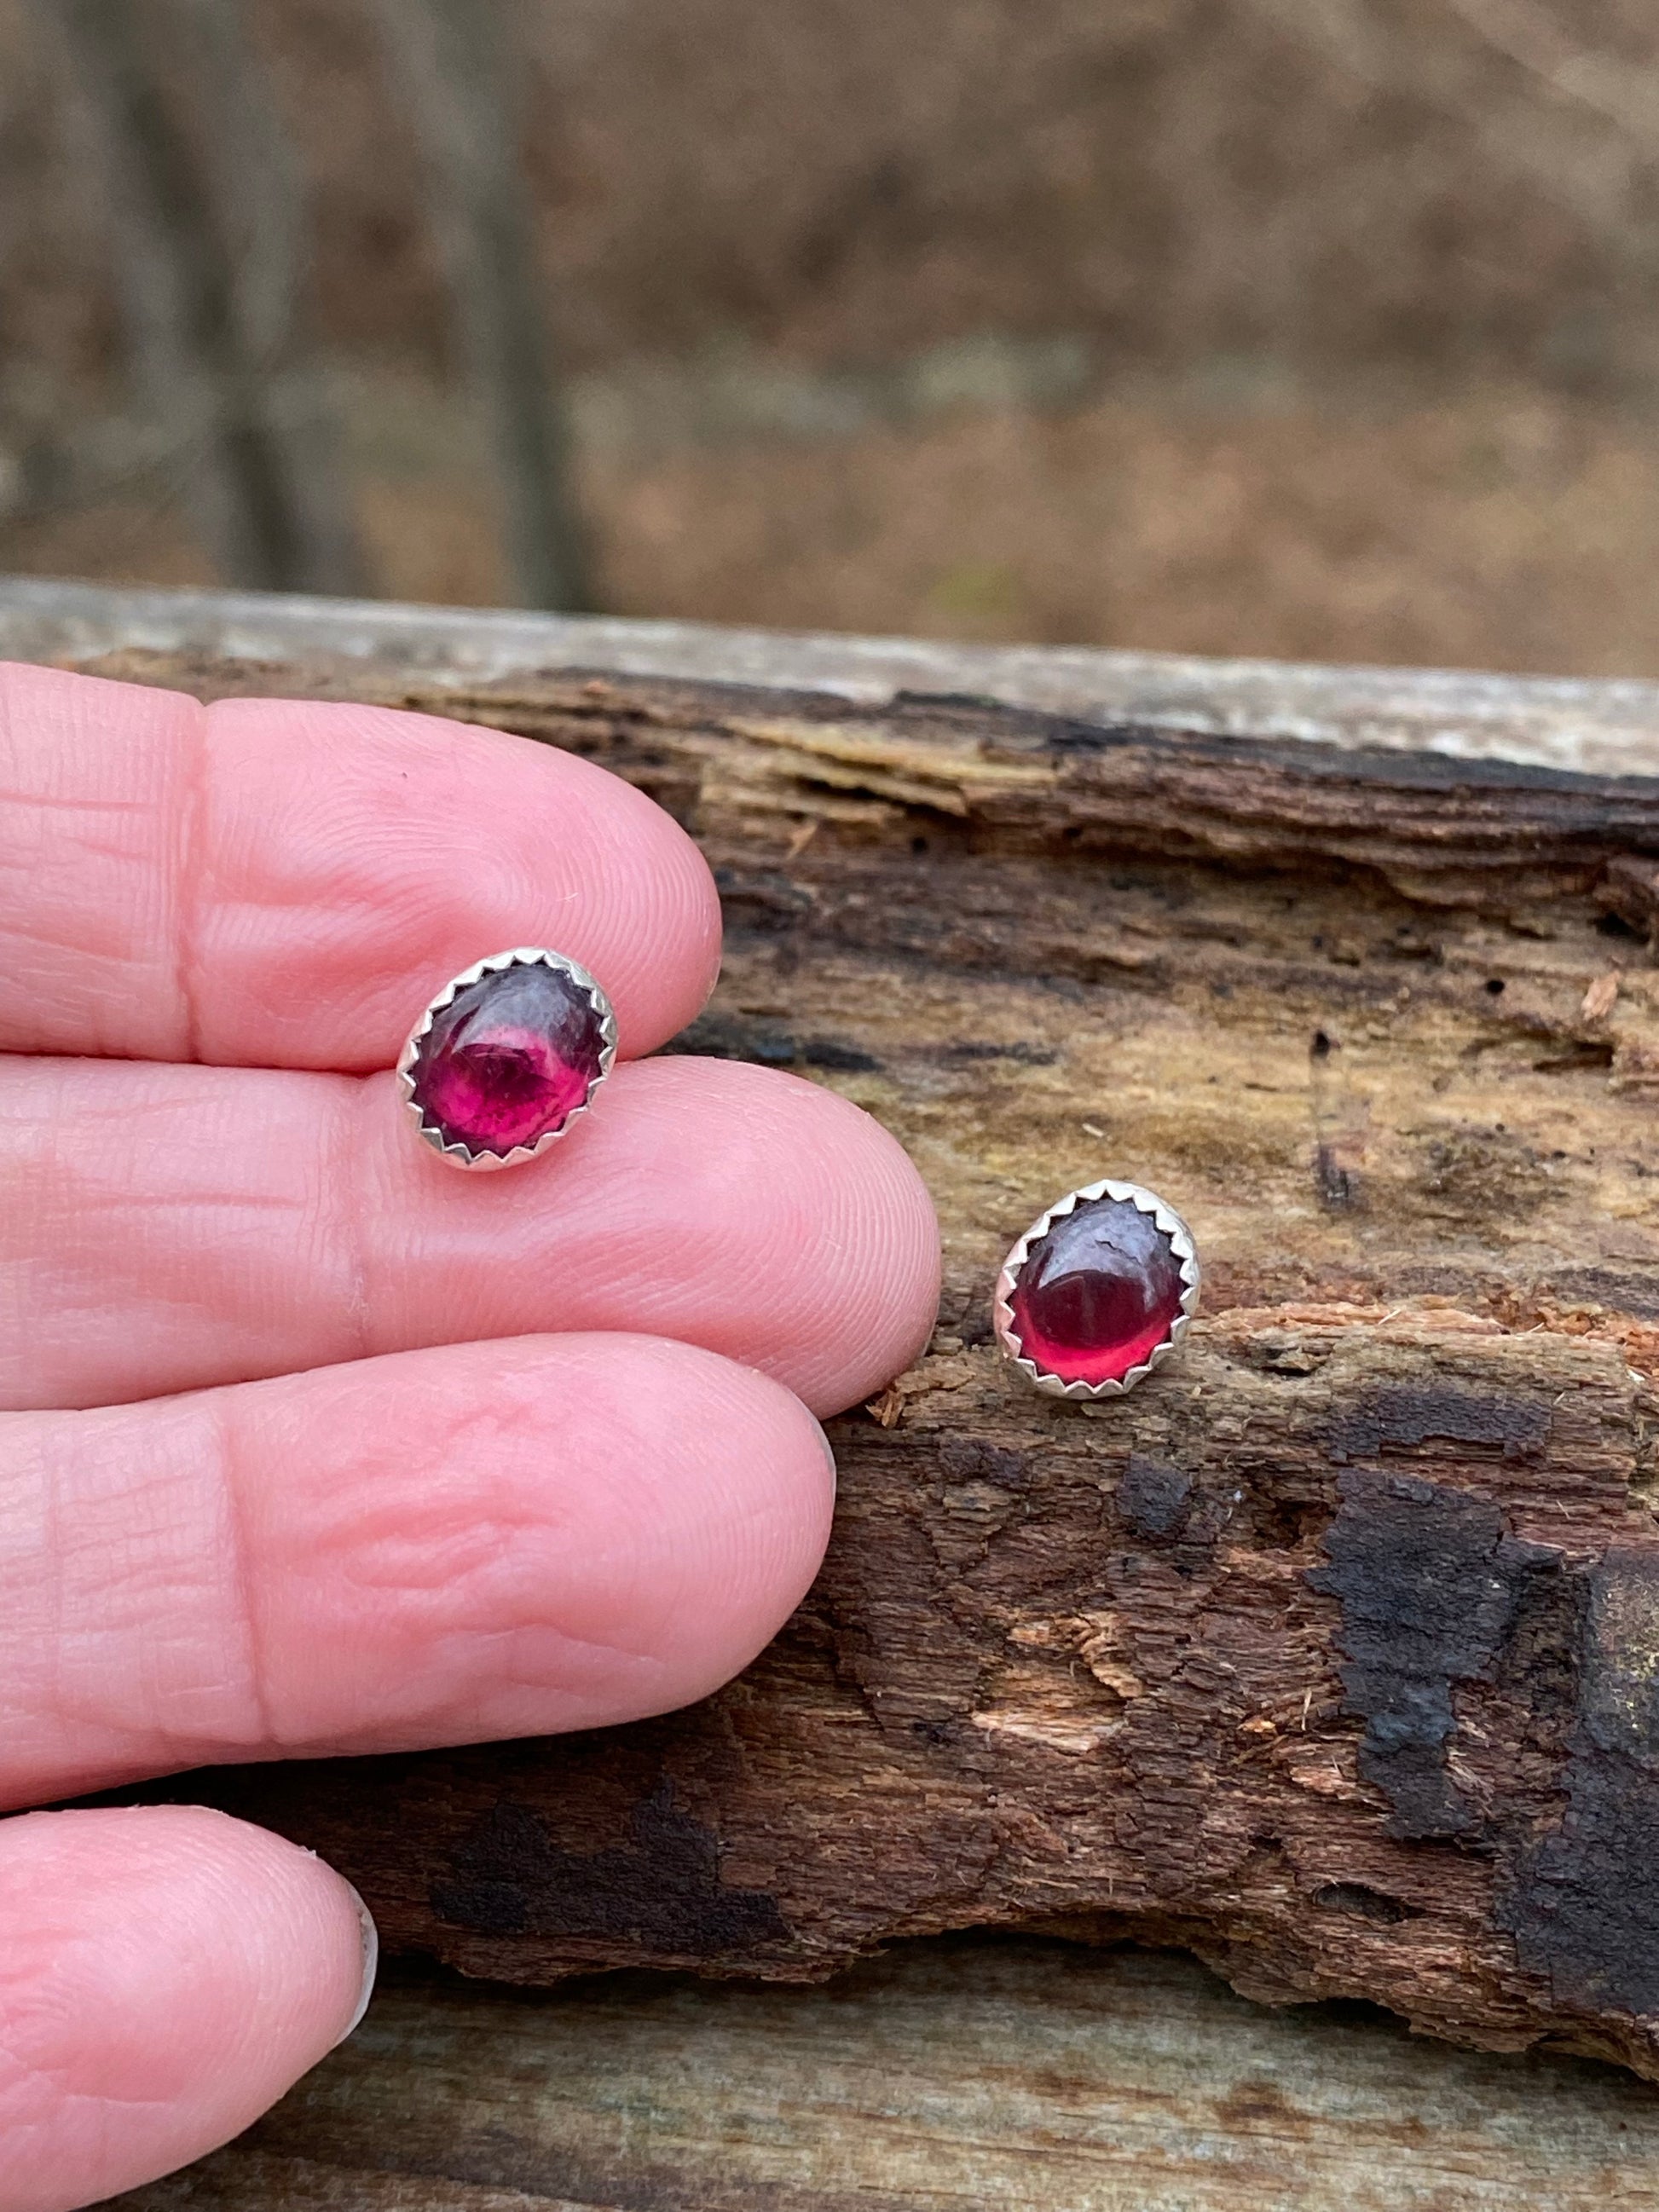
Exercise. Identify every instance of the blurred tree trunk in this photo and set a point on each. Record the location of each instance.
(456, 65)
(206, 221)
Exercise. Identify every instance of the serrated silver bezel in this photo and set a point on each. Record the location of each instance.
(521, 956)
(1181, 1244)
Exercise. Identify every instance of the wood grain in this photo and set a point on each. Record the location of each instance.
(1332, 1654)
(1027, 2075)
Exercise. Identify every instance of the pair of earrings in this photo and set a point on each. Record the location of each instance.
(1096, 1294)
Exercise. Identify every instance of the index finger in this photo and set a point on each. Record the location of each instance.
(286, 883)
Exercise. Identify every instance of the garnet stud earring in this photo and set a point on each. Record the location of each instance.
(1097, 1292)
(506, 1056)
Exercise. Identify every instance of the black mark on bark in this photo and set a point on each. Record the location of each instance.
(1404, 1416)
(1156, 1502)
(1429, 1585)
(661, 1889)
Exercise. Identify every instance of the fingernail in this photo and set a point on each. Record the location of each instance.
(829, 1452)
(371, 1941)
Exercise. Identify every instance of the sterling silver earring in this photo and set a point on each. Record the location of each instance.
(1098, 1292)
(506, 1056)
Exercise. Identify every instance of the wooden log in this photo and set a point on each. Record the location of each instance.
(1333, 1653)
(1026, 2076)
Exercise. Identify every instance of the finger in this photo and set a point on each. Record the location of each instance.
(166, 1973)
(488, 1541)
(172, 1227)
(288, 882)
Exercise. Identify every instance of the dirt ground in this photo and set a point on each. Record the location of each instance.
(1493, 528)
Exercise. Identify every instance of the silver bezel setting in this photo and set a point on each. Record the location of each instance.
(459, 1155)
(1172, 1226)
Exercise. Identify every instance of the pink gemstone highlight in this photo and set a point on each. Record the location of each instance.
(1096, 1294)
(509, 1059)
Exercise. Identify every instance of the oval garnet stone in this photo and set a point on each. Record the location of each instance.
(509, 1059)
(1098, 1293)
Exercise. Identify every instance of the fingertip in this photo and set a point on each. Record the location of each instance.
(359, 856)
(166, 1972)
(895, 1289)
(841, 1227)
(708, 1525)
(271, 882)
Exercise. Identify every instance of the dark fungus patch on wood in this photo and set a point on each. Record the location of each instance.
(728, 1036)
(1406, 1417)
(1437, 1596)
(661, 1887)
(1582, 1897)
(1155, 1502)
(1430, 1583)
(965, 1459)
(967, 1050)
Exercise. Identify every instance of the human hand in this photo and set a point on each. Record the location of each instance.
(311, 1444)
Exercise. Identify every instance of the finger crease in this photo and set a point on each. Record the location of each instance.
(241, 1582)
(352, 1203)
(187, 885)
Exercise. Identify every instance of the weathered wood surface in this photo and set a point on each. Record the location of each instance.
(1333, 1653)
(948, 2077)
(1600, 727)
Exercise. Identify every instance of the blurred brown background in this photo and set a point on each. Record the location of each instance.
(1317, 328)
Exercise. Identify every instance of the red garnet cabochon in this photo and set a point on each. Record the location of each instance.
(509, 1059)
(1097, 1292)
